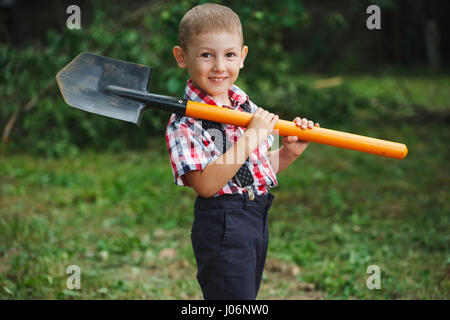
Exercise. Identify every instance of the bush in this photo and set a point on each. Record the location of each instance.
(292, 98)
(54, 129)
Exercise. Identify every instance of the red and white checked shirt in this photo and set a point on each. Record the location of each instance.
(191, 147)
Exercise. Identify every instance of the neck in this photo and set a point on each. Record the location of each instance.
(223, 99)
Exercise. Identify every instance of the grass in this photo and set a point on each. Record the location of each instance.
(122, 220)
(430, 91)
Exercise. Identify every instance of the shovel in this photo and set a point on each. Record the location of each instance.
(118, 89)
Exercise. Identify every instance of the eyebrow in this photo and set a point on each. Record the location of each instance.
(230, 48)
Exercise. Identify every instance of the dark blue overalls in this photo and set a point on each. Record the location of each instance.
(230, 238)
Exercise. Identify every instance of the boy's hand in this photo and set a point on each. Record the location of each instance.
(262, 124)
(293, 144)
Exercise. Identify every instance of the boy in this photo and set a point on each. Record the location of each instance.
(229, 233)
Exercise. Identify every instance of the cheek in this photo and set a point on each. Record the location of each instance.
(234, 69)
(201, 68)
(236, 66)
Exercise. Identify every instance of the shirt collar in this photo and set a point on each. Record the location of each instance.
(234, 92)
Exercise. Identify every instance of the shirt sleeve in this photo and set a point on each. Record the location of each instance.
(186, 149)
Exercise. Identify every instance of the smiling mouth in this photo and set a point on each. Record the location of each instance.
(217, 79)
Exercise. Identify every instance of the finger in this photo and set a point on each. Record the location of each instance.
(275, 118)
(304, 123)
(310, 124)
(262, 113)
(288, 139)
(317, 125)
(265, 114)
(297, 121)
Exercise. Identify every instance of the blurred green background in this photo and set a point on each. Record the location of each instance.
(77, 188)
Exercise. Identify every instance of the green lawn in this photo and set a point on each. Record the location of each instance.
(122, 220)
(430, 91)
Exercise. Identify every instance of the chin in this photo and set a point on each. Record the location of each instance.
(220, 86)
(216, 89)
(214, 92)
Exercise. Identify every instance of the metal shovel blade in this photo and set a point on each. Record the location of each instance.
(83, 81)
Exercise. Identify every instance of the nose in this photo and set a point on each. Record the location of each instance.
(219, 65)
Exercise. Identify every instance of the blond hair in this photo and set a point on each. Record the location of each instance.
(208, 17)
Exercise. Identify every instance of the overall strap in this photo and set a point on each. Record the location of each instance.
(243, 177)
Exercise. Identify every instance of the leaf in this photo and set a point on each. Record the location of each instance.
(9, 291)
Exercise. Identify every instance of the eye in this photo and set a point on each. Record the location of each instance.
(230, 55)
(206, 55)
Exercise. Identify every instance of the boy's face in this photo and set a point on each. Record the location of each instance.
(213, 61)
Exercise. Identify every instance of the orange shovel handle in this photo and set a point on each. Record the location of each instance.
(289, 128)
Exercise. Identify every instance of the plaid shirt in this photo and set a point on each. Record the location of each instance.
(192, 148)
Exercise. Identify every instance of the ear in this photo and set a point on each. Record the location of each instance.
(244, 52)
(180, 56)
